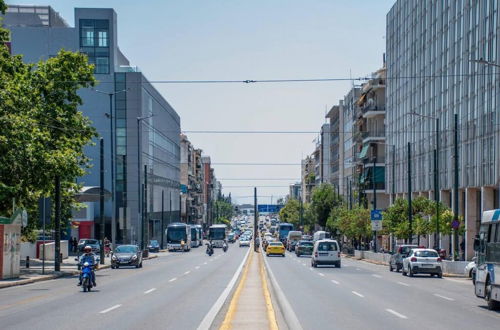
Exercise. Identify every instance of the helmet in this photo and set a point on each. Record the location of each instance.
(86, 264)
(87, 249)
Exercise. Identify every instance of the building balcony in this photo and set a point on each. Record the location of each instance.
(372, 111)
(373, 136)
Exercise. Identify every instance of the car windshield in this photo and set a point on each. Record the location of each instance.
(89, 241)
(275, 244)
(153, 242)
(428, 254)
(327, 246)
(306, 244)
(126, 249)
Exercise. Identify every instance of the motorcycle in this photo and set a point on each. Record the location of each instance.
(224, 247)
(210, 249)
(87, 277)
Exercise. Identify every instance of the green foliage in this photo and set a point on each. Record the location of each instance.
(354, 224)
(324, 199)
(4, 33)
(291, 212)
(43, 134)
(223, 210)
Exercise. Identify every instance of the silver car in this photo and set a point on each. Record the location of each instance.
(422, 261)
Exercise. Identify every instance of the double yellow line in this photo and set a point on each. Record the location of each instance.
(227, 323)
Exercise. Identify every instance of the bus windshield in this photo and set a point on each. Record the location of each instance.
(216, 233)
(194, 233)
(176, 234)
(284, 229)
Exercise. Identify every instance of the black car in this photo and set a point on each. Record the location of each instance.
(126, 255)
(93, 243)
(154, 246)
(304, 248)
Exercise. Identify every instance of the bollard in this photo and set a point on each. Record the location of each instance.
(60, 257)
(27, 261)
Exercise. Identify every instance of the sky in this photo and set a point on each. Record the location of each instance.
(256, 40)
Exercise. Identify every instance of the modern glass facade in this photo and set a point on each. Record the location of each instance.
(94, 41)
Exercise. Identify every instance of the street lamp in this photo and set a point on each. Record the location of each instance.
(112, 147)
(484, 62)
(437, 245)
(139, 120)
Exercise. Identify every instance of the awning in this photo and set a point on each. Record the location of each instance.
(361, 99)
(91, 194)
(363, 152)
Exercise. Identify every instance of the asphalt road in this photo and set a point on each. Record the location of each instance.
(366, 296)
(170, 292)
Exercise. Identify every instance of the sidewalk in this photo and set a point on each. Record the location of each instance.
(69, 267)
(251, 306)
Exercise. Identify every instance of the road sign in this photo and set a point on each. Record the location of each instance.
(376, 225)
(376, 215)
(455, 224)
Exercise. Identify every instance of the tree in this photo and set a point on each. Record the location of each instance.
(324, 199)
(291, 212)
(224, 211)
(354, 224)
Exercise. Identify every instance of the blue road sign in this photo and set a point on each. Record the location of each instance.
(376, 215)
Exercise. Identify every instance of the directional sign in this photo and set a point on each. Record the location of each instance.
(377, 225)
(376, 215)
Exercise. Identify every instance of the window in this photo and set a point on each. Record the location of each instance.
(102, 38)
(94, 41)
(102, 65)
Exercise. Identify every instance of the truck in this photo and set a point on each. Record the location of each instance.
(217, 235)
(487, 247)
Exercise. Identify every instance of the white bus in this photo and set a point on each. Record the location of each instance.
(178, 236)
(217, 234)
(487, 247)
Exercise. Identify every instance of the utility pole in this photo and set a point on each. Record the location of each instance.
(455, 186)
(255, 216)
(374, 201)
(410, 212)
(393, 172)
(436, 199)
(101, 199)
(162, 216)
(57, 226)
(301, 213)
(145, 217)
(170, 209)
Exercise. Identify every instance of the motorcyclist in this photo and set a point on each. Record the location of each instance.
(89, 257)
(210, 247)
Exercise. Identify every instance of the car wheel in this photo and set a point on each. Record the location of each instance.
(410, 271)
(403, 271)
(492, 304)
(338, 264)
(283, 255)
(298, 255)
(390, 268)
(137, 266)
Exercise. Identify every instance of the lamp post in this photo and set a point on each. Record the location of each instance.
(437, 245)
(112, 157)
(139, 187)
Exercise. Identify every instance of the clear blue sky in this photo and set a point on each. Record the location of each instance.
(249, 39)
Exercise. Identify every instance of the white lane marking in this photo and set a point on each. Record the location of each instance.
(335, 282)
(110, 309)
(172, 279)
(401, 283)
(456, 281)
(396, 313)
(358, 269)
(321, 274)
(216, 307)
(376, 275)
(187, 272)
(205, 263)
(358, 294)
(150, 290)
(444, 297)
(197, 267)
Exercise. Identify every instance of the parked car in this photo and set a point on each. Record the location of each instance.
(326, 252)
(244, 241)
(275, 248)
(304, 248)
(470, 270)
(422, 261)
(93, 243)
(126, 255)
(400, 252)
(154, 246)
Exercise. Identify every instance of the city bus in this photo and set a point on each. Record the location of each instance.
(487, 247)
(283, 230)
(178, 236)
(195, 236)
(217, 235)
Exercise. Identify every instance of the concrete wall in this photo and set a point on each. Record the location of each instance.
(28, 250)
(50, 247)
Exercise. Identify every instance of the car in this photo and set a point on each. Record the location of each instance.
(307, 238)
(275, 248)
(401, 252)
(304, 248)
(244, 241)
(422, 261)
(267, 240)
(326, 252)
(231, 237)
(126, 255)
(470, 270)
(153, 246)
(93, 243)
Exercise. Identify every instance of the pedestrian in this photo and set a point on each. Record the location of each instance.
(74, 244)
(462, 249)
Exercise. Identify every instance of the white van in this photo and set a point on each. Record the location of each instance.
(326, 252)
(321, 235)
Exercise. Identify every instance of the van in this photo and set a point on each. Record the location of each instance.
(326, 252)
(321, 235)
(293, 237)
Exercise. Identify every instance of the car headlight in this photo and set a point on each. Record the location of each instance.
(134, 257)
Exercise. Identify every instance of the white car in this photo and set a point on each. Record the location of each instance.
(244, 241)
(422, 261)
(326, 252)
(470, 270)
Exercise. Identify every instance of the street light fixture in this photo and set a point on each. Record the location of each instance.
(112, 147)
(484, 62)
(437, 245)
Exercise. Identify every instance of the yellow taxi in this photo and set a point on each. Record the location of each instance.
(276, 248)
